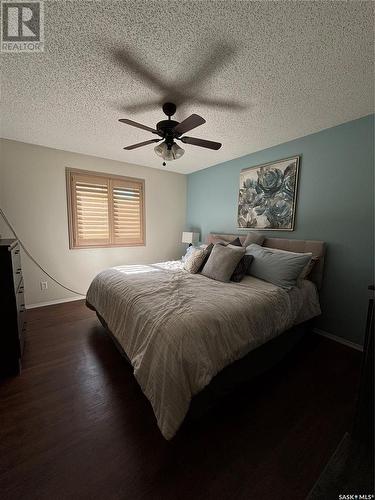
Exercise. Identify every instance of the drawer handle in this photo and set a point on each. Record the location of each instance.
(18, 271)
(16, 252)
(21, 290)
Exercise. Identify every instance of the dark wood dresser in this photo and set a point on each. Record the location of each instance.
(12, 308)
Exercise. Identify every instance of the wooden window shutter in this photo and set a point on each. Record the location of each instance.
(104, 210)
(127, 198)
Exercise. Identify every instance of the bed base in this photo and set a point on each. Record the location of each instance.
(239, 373)
(234, 377)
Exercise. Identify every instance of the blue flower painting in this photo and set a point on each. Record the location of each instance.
(267, 197)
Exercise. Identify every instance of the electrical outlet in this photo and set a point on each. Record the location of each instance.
(43, 285)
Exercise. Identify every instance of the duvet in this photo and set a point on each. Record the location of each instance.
(179, 330)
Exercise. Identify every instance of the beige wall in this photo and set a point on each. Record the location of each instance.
(33, 196)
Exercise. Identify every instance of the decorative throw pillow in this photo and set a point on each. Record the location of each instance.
(281, 268)
(216, 239)
(242, 268)
(208, 250)
(191, 249)
(222, 262)
(254, 237)
(195, 260)
(236, 243)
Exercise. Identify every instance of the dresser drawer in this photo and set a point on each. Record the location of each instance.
(16, 264)
(20, 298)
(12, 308)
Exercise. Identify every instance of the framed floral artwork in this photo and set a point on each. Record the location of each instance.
(267, 195)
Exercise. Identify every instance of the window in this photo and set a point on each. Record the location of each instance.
(104, 210)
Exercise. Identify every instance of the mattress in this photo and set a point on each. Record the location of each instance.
(179, 330)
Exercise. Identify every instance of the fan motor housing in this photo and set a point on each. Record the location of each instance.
(165, 127)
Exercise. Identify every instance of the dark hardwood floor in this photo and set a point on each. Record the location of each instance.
(75, 424)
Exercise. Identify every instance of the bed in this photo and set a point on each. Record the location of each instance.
(181, 331)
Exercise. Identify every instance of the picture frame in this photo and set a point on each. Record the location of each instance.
(267, 196)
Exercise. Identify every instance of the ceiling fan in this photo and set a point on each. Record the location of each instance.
(170, 131)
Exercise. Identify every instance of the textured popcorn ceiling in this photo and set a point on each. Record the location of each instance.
(295, 67)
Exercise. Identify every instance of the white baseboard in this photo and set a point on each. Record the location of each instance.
(57, 301)
(340, 340)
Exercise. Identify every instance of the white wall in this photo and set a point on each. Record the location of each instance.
(33, 196)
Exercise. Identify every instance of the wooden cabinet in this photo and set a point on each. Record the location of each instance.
(12, 308)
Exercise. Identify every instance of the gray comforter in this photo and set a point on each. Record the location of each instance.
(179, 329)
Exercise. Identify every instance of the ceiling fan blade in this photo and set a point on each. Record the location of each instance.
(203, 143)
(140, 144)
(189, 123)
(138, 125)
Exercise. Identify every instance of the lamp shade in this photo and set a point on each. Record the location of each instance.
(190, 237)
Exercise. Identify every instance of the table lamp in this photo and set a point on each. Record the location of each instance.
(190, 237)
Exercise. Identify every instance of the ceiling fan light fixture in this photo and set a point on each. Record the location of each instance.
(169, 154)
(170, 130)
(177, 151)
(159, 149)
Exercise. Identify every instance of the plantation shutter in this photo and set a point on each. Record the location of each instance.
(104, 210)
(127, 212)
(90, 200)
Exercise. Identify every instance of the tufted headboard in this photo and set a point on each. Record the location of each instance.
(317, 248)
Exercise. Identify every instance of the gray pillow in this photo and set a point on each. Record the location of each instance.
(253, 237)
(309, 266)
(222, 262)
(280, 268)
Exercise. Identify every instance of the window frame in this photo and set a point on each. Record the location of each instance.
(71, 209)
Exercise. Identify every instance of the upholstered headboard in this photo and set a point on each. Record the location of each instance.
(317, 248)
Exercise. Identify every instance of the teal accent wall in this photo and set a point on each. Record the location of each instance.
(334, 204)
